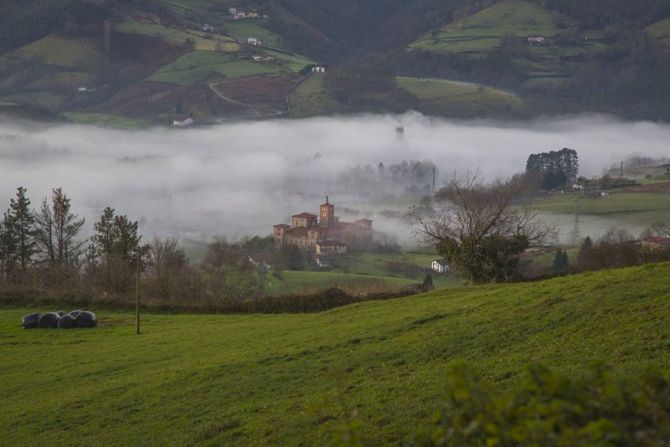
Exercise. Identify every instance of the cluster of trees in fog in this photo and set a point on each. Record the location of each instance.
(410, 177)
(43, 251)
(553, 169)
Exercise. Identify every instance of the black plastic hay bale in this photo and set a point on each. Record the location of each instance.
(66, 322)
(61, 313)
(86, 319)
(49, 320)
(30, 321)
(74, 313)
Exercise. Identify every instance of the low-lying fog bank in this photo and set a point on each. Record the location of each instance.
(239, 179)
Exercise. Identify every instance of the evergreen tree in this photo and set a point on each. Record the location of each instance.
(115, 247)
(561, 262)
(20, 228)
(585, 251)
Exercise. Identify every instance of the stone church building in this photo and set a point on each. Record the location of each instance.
(323, 233)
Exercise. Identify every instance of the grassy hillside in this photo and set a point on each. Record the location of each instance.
(661, 30)
(486, 29)
(435, 96)
(467, 98)
(292, 379)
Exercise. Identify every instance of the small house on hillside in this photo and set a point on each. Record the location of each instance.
(186, 122)
(326, 248)
(538, 40)
(440, 266)
(254, 42)
(319, 69)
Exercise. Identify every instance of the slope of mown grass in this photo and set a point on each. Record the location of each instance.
(485, 30)
(292, 379)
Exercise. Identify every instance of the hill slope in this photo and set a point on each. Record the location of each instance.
(290, 379)
(156, 60)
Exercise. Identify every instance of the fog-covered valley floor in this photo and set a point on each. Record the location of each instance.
(239, 179)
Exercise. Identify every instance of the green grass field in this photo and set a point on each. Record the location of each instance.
(80, 53)
(293, 379)
(242, 30)
(445, 95)
(311, 98)
(615, 203)
(435, 96)
(201, 41)
(661, 30)
(484, 30)
(105, 120)
(198, 65)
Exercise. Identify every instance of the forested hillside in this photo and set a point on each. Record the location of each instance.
(134, 62)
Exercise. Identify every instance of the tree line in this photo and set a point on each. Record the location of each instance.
(553, 169)
(42, 251)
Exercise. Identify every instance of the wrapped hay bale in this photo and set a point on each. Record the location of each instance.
(86, 319)
(66, 322)
(30, 321)
(49, 320)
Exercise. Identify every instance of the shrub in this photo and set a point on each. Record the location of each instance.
(551, 410)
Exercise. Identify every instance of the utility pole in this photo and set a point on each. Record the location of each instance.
(434, 178)
(138, 294)
(576, 232)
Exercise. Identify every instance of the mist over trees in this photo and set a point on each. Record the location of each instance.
(555, 169)
(410, 177)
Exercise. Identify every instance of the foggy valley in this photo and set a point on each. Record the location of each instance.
(239, 179)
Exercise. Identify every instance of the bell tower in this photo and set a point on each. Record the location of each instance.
(327, 214)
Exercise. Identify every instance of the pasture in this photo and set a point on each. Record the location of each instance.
(294, 379)
(485, 30)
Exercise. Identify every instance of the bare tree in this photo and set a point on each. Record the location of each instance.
(658, 229)
(481, 232)
(56, 231)
(166, 267)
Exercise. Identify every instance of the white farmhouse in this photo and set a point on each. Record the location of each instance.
(254, 42)
(440, 266)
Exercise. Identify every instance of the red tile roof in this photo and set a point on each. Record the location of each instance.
(282, 226)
